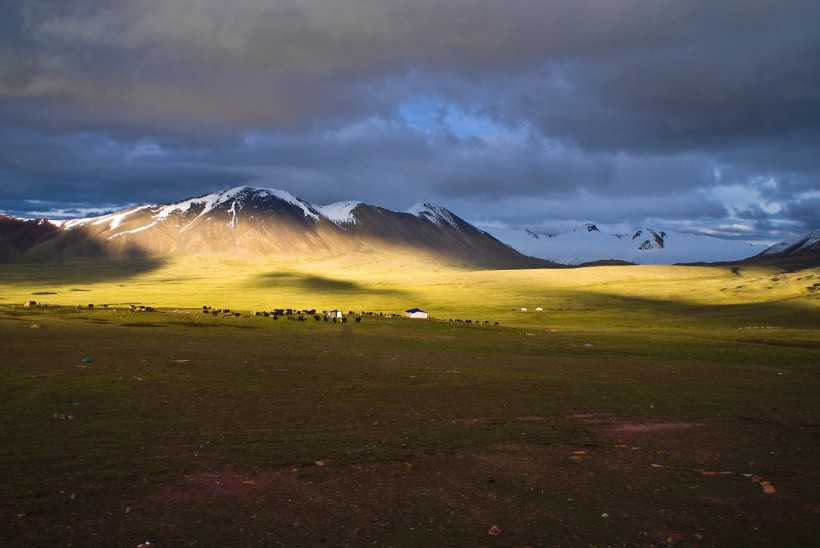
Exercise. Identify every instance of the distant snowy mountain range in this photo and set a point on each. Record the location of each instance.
(587, 243)
(252, 222)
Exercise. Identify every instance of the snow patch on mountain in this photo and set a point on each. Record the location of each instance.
(340, 213)
(116, 219)
(134, 231)
(307, 208)
(779, 247)
(436, 215)
(237, 197)
(209, 202)
(808, 241)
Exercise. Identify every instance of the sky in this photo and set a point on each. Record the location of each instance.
(696, 115)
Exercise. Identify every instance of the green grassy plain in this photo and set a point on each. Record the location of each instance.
(190, 429)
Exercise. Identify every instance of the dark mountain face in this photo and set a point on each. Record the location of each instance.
(19, 235)
(434, 230)
(254, 223)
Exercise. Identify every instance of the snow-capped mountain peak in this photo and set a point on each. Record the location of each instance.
(435, 214)
(340, 213)
(810, 243)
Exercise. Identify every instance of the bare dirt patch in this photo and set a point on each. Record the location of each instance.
(206, 485)
(532, 418)
(595, 418)
(651, 426)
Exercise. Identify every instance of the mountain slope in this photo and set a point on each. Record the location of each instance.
(586, 244)
(252, 223)
(19, 235)
(804, 251)
(807, 245)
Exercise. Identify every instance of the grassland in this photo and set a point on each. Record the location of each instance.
(190, 429)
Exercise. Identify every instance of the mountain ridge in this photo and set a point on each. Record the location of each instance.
(250, 222)
(588, 244)
(254, 222)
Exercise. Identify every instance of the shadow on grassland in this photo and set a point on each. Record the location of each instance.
(77, 271)
(312, 282)
(799, 313)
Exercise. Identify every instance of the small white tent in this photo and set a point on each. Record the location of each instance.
(415, 313)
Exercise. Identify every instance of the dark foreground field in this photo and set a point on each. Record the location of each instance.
(176, 428)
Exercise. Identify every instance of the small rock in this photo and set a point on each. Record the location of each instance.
(604, 515)
(495, 530)
(320, 463)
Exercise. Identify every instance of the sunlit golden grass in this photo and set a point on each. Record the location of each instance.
(608, 295)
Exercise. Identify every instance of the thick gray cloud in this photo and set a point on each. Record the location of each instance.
(708, 110)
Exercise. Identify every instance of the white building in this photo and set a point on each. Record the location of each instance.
(415, 313)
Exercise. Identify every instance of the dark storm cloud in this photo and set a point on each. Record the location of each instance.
(470, 102)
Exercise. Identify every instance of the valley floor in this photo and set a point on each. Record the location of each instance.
(183, 428)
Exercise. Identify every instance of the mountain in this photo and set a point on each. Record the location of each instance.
(253, 223)
(19, 235)
(589, 244)
(807, 245)
(804, 250)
